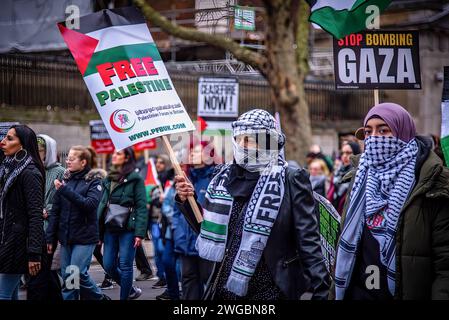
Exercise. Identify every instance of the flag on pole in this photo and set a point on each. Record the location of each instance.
(151, 178)
(343, 17)
(126, 77)
(167, 186)
(445, 116)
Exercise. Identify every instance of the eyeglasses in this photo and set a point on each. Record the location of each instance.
(71, 159)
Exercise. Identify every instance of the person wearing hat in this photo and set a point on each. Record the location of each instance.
(260, 225)
(395, 226)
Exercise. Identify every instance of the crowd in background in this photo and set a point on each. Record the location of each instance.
(55, 218)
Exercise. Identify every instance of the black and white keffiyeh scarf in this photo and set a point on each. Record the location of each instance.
(10, 169)
(384, 180)
(259, 217)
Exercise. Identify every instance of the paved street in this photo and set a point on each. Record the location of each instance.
(97, 274)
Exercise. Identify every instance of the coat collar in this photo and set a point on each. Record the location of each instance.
(130, 178)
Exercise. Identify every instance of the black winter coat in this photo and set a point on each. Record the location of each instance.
(73, 217)
(22, 226)
(293, 250)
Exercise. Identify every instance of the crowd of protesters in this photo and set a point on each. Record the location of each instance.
(260, 234)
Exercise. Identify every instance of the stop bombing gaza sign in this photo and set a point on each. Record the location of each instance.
(377, 60)
(125, 76)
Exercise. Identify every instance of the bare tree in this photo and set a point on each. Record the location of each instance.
(283, 63)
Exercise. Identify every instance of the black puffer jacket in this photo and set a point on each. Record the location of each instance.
(293, 250)
(22, 226)
(73, 217)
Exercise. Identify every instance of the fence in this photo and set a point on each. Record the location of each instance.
(40, 81)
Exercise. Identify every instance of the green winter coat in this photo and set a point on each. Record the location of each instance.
(130, 193)
(422, 239)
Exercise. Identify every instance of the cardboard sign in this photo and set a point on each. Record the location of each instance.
(218, 98)
(377, 60)
(244, 18)
(146, 145)
(99, 137)
(445, 116)
(4, 127)
(126, 77)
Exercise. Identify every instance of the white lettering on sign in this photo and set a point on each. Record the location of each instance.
(405, 66)
(370, 72)
(388, 53)
(347, 70)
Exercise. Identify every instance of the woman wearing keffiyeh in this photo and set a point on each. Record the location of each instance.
(260, 225)
(395, 238)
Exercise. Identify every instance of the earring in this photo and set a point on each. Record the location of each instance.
(15, 155)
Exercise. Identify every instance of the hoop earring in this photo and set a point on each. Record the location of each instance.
(19, 160)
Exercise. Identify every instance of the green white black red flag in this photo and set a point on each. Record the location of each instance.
(126, 77)
(343, 17)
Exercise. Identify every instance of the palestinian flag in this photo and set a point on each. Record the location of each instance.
(126, 77)
(167, 186)
(445, 117)
(343, 17)
(151, 178)
(133, 40)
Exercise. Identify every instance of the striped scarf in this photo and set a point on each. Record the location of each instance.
(383, 182)
(9, 170)
(260, 215)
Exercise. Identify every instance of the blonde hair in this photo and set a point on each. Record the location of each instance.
(93, 157)
(323, 166)
(82, 153)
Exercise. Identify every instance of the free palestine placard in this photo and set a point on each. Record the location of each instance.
(126, 77)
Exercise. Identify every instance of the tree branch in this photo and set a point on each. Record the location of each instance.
(245, 55)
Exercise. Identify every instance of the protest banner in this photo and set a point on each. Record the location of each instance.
(4, 127)
(99, 137)
(377, 60)
(244, 18)
(445, 116)
(218, 101)
(329, 230)
(146, 145)
(127, 79)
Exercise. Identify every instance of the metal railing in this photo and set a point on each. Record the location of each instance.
(41, 81)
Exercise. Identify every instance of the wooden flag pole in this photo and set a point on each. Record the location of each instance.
(103, 161)
(146, 155)
(376, 91)
(179, 171)
(376, 97)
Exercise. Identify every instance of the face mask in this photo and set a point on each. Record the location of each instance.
(379, 149)
(253, 159)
